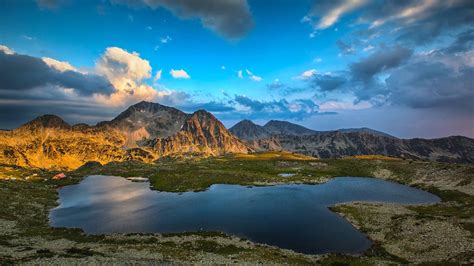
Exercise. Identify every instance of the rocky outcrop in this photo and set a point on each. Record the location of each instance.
(201, 134)
(146, 120)
(49, 142)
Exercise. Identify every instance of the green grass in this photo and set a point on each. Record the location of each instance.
(28, 202)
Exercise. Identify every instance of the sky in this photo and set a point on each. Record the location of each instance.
(402, 67)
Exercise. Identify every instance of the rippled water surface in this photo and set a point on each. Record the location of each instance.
(289, 216)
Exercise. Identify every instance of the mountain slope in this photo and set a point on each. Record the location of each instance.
(339, 144)
(49, 142)
(247, 130)
(146, 120)
(201, 134)
(276, 127)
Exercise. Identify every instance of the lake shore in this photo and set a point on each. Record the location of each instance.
(25, 236)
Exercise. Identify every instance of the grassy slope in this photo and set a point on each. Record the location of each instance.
(26, 205)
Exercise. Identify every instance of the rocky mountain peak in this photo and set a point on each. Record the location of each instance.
(248, 130)
(147, 120)
(46, 121)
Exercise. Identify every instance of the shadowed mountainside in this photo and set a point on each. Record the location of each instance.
(349, 142)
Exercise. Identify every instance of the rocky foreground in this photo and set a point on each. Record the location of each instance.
(441, 233)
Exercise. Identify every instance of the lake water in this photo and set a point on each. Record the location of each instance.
(288, 216)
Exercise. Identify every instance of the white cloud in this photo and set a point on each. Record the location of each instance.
(59, 65)
(409, 13)
(331, 17)
(6, 49)
(179, 74)
(29, 38)
(157, 75)
(334, 106)
(240, 75)
(317, 60)
(223, 67)
(307, 74)
(123, 69)
(368, 48)
(253, 77)
(165, 39)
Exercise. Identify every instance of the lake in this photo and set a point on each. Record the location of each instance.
(288, 216)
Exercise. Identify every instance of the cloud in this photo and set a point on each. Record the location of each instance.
(239, 74)
(345, 48)
(327, 82)
(229, 18)
(179, 74)
(165, 39)
(157, 75)
(6, 50)
(123, 69)
(59, 65)
(317, 60)
(385, 59)
(416, 21)
(432, 85)
(307, 74)
(282, 109)
(22, 72)
(276, 84)
(329, 12)
(252, 76)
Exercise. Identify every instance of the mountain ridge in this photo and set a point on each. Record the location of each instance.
(150, 131)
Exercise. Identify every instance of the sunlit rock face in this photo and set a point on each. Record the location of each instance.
(144, 132)
(146, 120)
(202, 134)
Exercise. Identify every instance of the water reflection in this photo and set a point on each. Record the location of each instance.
(288, 216)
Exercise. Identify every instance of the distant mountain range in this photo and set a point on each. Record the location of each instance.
(149, 131)
(282, 135)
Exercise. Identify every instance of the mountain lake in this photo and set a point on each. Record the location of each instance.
(292, 216)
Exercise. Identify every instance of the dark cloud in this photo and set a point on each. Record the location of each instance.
(23, 72)
(418, 22)
(432, 85)
(328, 82)
(384, 59)
(464, 42)
(230, 18)
(281, 109)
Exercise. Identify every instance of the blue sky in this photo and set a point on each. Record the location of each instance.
(322, 64)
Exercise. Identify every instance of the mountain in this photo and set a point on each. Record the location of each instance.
(281, 135)
(49, 142)
(365, 130)
(45, 121)
(247, 130)
(275, 127)
(336, 144)
(146, 120)
(201, 134)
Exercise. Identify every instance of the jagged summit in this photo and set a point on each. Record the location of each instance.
(46, 121)
(147, 120)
